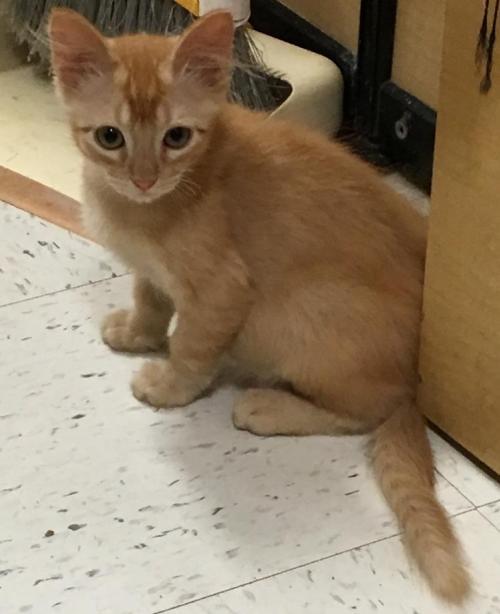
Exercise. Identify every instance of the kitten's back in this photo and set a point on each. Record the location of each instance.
(308, 198)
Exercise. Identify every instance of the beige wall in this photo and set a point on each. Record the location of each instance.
(417, 48)
(337, 18)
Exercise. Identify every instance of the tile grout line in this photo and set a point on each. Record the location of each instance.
(273, 575)
(488, 520)
(474, 506)
(479, 509)
(290, 569)
(56, 292)
(489, 503)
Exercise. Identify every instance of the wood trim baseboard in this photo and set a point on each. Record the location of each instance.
(40, 200)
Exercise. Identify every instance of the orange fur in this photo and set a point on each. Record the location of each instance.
(285, 257)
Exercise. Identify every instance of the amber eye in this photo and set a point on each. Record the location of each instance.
(109, 137)
(178, 137)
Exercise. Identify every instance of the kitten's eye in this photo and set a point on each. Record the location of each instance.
(178, 137)
(109, 137)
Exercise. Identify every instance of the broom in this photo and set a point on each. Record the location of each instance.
(253, 84)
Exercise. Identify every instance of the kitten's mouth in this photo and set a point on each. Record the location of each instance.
(145, 197)
(140, 196)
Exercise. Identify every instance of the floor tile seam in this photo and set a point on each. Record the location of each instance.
(488, 520)
(294, 568)
(277, 574)
(64, 290)
(468, 499)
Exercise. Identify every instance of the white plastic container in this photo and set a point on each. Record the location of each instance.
(316, 82)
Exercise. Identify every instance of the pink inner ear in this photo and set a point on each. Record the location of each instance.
(78, 50)
(206, 48)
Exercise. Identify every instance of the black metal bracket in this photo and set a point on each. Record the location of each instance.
(273, 18)
(377, 25)
(406, 130)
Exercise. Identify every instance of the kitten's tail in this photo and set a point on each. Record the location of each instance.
(404, 469)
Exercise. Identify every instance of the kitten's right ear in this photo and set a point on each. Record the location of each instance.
(78, 50)
(205, 49)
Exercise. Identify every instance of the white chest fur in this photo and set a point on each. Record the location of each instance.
(142, 257)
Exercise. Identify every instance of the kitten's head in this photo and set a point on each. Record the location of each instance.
(141, 107)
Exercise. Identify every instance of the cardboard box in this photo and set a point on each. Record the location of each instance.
(460, 355)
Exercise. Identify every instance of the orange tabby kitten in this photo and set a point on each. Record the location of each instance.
(285, 257)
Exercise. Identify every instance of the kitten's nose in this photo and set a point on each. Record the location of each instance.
(144, 184)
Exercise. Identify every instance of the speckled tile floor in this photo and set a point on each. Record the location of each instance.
(107, 507)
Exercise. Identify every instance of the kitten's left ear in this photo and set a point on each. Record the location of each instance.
(78, 50)
(205, 50)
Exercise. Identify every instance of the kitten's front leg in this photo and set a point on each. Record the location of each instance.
(205, 329)
(143, 328)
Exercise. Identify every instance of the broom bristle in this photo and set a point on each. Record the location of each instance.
(253, 84)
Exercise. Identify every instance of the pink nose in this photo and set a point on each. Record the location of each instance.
(144, 184)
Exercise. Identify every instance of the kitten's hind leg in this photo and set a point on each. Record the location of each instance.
(143, 328)
(268, 412)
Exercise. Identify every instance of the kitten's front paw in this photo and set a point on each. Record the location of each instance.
(122, 334)
(160, 386)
